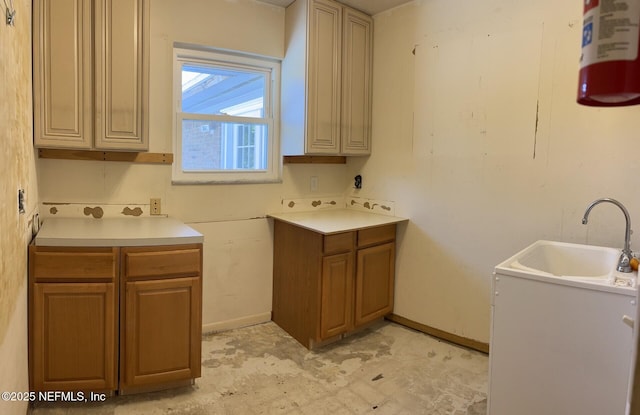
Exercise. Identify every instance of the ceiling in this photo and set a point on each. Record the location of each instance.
(368, 6)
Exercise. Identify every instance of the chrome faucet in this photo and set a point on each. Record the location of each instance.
(625, 257)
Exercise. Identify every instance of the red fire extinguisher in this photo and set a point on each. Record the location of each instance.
(610, 60)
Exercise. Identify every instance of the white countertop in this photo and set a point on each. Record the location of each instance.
(328, 221)
(115, 232)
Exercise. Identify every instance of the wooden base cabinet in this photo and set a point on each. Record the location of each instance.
(79, 296)
(74, 344)
(161, 321)
(336, 305)
(73, 319)
(327, 285)
(374, 287)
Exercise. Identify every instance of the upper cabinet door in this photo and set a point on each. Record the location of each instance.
(91, 74)
(326, 80)
(121, 71)
(62, 73)
(325, 45)
(357, 62)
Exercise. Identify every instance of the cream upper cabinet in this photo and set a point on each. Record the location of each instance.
(91, 72)
(326, 79)
(357, 62)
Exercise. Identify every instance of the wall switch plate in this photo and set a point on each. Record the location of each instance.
(314, 183)
(155, 207)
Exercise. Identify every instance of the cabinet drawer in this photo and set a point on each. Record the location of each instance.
(75, 264)
(339, 242)
(162, 263)
(376, 235)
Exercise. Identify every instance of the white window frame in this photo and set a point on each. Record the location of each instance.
(199, 55)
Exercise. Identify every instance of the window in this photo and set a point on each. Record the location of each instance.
(226, 117)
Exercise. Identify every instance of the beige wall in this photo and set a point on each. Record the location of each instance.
(478, 139)
(238, 238)
(18, 171)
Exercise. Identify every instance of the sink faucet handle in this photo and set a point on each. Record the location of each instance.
(624, 263)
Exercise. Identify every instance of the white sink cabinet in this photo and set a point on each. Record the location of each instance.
(558, 346)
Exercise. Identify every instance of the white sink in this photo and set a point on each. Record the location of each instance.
(562, 259)
(567, 261)
(557, 331)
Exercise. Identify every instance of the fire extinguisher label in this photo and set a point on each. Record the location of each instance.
(610, 31)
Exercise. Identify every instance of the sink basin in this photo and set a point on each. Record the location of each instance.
(562, 259)
(571, 263)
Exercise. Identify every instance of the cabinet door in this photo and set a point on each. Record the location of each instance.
(323, 84)
(121, 70)
(62, 73)
(357, 51)
(162, 332)
(73, 337)
(374, 282)
(336, 315)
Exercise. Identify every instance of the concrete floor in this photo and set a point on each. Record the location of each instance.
(386, 369)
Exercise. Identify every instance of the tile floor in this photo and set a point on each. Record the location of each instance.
(385, 369)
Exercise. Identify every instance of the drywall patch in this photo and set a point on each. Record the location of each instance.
(385, 207)
(319, 203)
(308, 204)
(96, 212)
(84, 209)
(127, 211)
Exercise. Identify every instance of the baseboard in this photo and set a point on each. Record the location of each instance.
(236, 323)
(452, 338)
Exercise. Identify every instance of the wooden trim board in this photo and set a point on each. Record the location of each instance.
(314, 160)
(132, 157)
(452, 338)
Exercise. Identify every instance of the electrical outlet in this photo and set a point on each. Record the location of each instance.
(155, 208)
(314, 183)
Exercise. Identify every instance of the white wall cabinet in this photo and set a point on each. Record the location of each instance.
(91, 70)
(326, 79)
